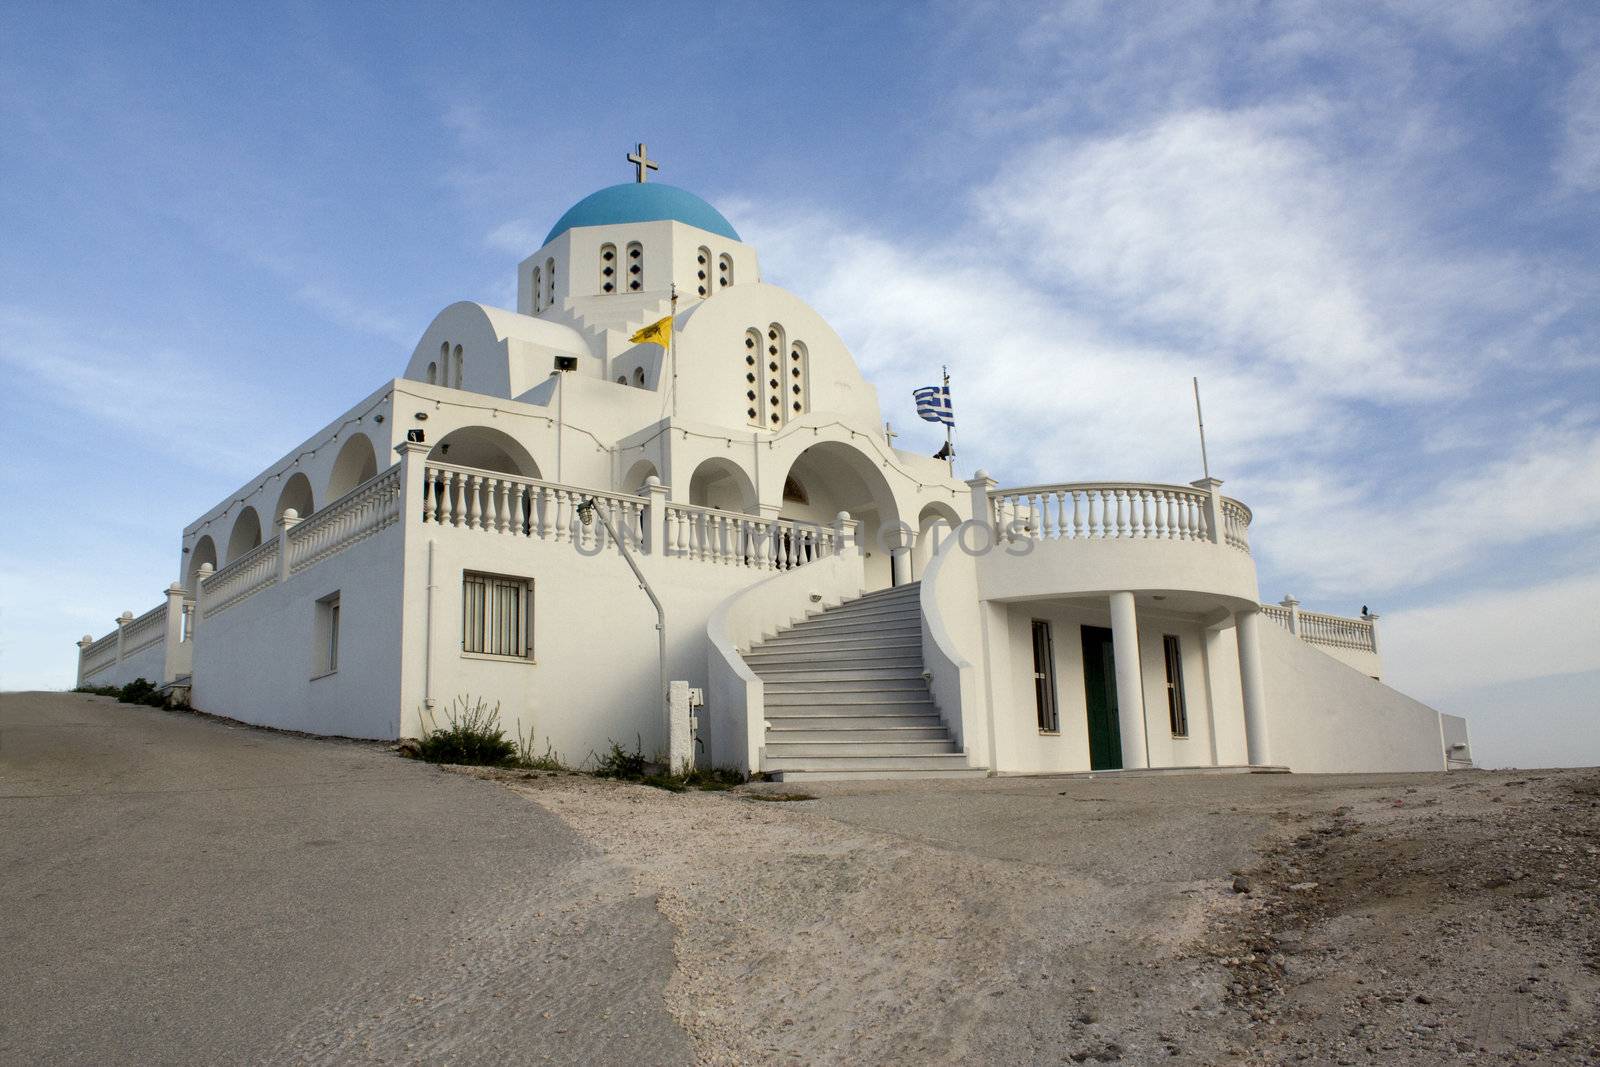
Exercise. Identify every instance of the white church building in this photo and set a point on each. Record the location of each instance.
(500, 521)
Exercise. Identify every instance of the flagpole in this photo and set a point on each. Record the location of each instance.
(949, 427)
(1205, 463)
(672, 349)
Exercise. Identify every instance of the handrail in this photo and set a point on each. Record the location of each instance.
(360, 513)
(1118, 511)
(254, 570)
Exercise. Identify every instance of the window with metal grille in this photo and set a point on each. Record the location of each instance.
(1044, 677)
(497, 615)
(1177, 711)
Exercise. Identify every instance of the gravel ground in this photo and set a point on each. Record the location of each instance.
(1387, 918)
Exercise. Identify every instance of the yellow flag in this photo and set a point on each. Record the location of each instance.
(657, 333)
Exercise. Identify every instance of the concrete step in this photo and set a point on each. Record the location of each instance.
(844, 721)
(856, 609)
(911, 623)
(868, 774)
(939, 762)
(893, 701)
(913, 684)
(864, 641)
(785, 673)
(790, 733)
(834, 657)
(829, 750)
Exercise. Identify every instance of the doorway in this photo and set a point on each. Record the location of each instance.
(1100, 697)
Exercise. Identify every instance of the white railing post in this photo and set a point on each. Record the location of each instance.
(174, 637)
(982, 509)
(844, 530)
(655, 527)
(1294, 613)
(1372, 621)
(413, 457)
(122, 634)
(206, 570)
(1211, 510)
(286, 522)
(83, 650)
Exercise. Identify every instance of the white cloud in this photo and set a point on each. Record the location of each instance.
(1577, 162)
(1495, 637)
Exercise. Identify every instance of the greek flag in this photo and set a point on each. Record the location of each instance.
(933, 404)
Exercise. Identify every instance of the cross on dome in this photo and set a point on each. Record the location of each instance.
(640, 158)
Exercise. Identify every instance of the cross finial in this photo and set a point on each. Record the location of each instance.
(642, 162)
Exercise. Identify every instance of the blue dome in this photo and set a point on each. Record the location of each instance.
(642, 202)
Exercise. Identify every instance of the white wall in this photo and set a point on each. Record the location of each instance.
(1325, 716)
(257, 660)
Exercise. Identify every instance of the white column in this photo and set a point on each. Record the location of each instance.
(1212, 510)
(1293, 605)
(655, 517)
(122, 633)
(1253, 688)
(286, 522)
(170, 668)
(1130, 680)
(83, 647)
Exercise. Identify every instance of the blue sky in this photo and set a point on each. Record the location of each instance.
(1370, 229)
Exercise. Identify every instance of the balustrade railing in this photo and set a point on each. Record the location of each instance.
(1235, 524)
(251, 572)
(148, 629)
(1101, 511)
(1317, 628)
(526, 507)
(99, 655)
(357, 515)
(745, 540)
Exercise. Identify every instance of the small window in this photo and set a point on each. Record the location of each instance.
(497, 615)
(1044, 678)
(638, 377)
(433, 374)
(325, 659)
(1177, 711)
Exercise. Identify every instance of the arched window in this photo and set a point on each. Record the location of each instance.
(797, 381)
(608, 268)
(549, 282)
(459, 367)
(635, 266)
(638, 377)
(702, 271)
(622, 379)
(777, 343)
(433, 373)
(444, 364)
(538, 290)
(724, 270)
(752, 375)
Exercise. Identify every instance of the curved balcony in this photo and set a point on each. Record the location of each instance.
(1090, 537)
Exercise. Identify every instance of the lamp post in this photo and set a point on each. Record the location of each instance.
(588, 511)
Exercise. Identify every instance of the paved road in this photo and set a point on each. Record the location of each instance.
(176, 889)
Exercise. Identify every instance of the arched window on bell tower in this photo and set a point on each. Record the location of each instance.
(549, 283)
(635, 267)
(538, 290)
(724, 271)
(772, 377)
(608, 268)
(752, 376)
(702, 269)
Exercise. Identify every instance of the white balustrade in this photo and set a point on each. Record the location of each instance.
(357, 515)
(148, 629)
(1236, 524)
(1337, 630)
(1100, 511)
(251, 572)
(1279, 615)
(738, 540)
(99, 655)
(498, 503)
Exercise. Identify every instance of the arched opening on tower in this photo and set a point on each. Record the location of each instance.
(722, 484)
(633, 481)
(296, 494)
(485, 448)
(356, 462)
(832, 477)
(936, 522)
(246, 534)
(203, 552)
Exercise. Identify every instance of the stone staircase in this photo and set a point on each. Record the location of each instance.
(623, 312)
(846, 696)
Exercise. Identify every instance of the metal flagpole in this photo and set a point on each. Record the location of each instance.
(1205, 463)
(672, 348)
(949, 427)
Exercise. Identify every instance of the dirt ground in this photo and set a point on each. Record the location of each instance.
(1208, 919)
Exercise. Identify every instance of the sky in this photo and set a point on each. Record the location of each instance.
(1372, 230)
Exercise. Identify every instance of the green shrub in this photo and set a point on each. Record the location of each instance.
(473, 735)
(100, 690)
(626, 766)
(142, 691)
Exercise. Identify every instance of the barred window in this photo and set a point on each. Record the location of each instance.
(1177, 710)
(1044, 677)
(497, 615)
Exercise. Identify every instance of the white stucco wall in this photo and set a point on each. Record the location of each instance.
(1325, 716)
(257, 661)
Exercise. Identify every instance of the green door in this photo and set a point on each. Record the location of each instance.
(1100, 691)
